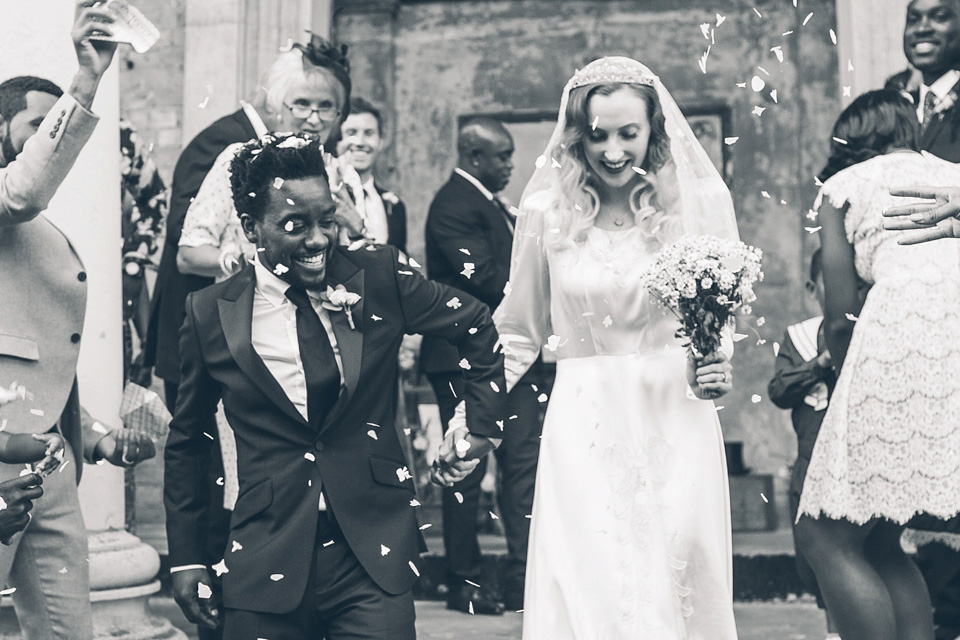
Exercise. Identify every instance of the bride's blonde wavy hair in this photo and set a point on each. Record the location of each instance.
(577, 202)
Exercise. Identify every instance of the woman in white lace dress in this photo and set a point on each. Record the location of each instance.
(631, 534)
(889, 446)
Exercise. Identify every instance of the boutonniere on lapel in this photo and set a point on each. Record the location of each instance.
(945, 103)
(390, 198)
(340, 299)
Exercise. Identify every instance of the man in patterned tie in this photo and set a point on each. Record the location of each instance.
(931, 42)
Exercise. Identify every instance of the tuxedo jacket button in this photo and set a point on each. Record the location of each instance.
(75, 338)
(53, 134)
(82, 276)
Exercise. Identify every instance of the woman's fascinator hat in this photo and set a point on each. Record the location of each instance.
(613, 69)
(320, 52)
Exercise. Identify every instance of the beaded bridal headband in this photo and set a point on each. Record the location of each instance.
(613, 69)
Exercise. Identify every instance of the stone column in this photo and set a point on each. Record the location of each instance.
(870, 39)
(87, 208)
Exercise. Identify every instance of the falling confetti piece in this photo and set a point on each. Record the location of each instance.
(705, 30)
(731, 140)
(277, 183)
(465, 364)
(309, 456)
(765, 194)
(757, 84)
(846, 92)
(777, 51)
(99, 428)
(807, 19)
(702, 62)
(755, 398)
(204, 592)
(849, 65)
(761, 342)
(276, 577)
(220, 568)
(470, 607)
(384, 550)
(851, 317)
(327, 544)
(812, 214)
(764, 498)
(472, 330)
(786, 33)
(596, 121)
(454, 303)
(462, 447)
(607, 322)
(414, 503)
(203, 105)
(553, 343)
(773, 94)
(542, 398)
(542, 160)
(737, 337)
(465, 252)
(406, 273)
(291, 202)
(413, 568)
(372, 434)
(776, 349)
(376, 318)
(458, 496)
(761, 321)
(759, 15)
(37, 412)
(208, 435)
(494, 386)
(280, 269)
(424, 527)
(220, 481)
(3, 504)
(742, 85)
(7, 592)
(469, 268)
(472, 584)
(833, 36)
(639, 171)
(554, 164)
(720, 19)
(414, 264)
(812, 229)
(758, 111)
(840, 140)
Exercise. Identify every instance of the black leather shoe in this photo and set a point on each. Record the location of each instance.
(470, 599)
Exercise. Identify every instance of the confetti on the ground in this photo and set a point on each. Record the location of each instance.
(276, 577)
(220, 568)
(204, 592)
(731, 140)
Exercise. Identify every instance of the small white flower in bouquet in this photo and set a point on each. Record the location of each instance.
(704, 280)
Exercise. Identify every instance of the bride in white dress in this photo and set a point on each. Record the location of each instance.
(630, 536)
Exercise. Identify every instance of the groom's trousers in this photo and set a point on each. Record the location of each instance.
(341, 602)
(517, 466)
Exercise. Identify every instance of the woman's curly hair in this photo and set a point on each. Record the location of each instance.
(258, 163)
(873, 123)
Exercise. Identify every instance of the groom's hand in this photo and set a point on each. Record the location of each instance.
(188, 587)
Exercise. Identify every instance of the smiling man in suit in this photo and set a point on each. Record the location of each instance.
(302, 348)
(469, 236)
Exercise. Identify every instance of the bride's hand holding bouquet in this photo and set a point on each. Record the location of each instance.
(704, 280)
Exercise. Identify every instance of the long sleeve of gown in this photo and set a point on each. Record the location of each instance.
(523, 317)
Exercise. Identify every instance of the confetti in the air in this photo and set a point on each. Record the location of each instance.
(731, 140)
(494, 516)
(204, 592)
(640, 171)
(851, 317)
(414, 503)
(759, 15)
(542, 398)
(372, 434)
(765, 194)
(7, 592)
(413, 568)
(376, 318)
(596, 121)
(494, 386)
(465, 364)
(327, 544)
(458, 496)
(757, 83)
(542, 160)
(203, 105)
(833, 36)
(454, 303)
(755, 398)
(720, 19)
(276, 577)
(807, 19)
(812, 229)
(758, 111)
(607, 322)
(384, 550)
(764, 498)
(236, 546)
(840, 140)
(220, 568)
(469, 268)
(846, 92)
(462, 447)
(280, 269)
(703, 60)
(289, 226)
(465, 252)
(309, 456)
(424, 527)
(277, 182)
(776, 349)
(778, 51)
(773, 94)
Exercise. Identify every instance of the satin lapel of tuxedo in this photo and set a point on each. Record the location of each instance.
(236, 319)
(349, 339)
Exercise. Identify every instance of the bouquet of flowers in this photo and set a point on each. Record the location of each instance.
(704, 280)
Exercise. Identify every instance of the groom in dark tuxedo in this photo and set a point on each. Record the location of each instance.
(469, 236)
(302, 348)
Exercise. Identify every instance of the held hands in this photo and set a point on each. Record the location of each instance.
(931, 220)
(711, 376)
(17, 496)
(188, 587)
(824, 361)
(460, 453)
(125, 448)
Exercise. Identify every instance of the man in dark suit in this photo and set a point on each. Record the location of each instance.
(469, 236)
(931, 42)
(361, 140)
(300, 346)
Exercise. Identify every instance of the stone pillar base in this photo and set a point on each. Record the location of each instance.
(122, 579)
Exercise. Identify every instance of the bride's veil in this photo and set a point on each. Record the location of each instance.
(702, 198)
